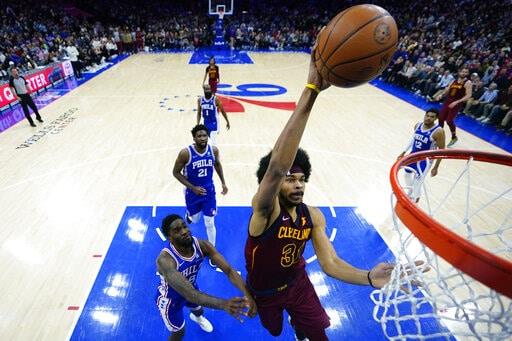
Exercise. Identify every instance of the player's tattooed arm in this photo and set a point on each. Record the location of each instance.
(167, 268)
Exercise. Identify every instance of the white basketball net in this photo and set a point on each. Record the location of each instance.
(450, 304)
(220, 13)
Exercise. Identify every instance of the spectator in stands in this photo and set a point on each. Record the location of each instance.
(485, 102)
(478, 92)
(497, 113)
(126, 38)
(73, 54)
(404, 77)
(445, 80)
(506, 123)
(111, 48)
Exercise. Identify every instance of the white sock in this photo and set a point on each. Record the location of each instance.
(195, 217)
(213, 138)
(209, 222)
(413, 186)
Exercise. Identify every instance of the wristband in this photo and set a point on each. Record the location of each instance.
(313, 87)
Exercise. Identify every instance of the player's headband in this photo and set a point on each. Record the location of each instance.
(295, 169)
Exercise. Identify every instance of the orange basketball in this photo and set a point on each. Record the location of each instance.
(356, 45)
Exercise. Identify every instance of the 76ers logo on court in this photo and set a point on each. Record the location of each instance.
(232, 97)
(382, 33)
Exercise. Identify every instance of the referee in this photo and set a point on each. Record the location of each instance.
(21, 89)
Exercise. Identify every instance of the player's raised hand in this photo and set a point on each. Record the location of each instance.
(199, 190)
(433, 172)
(314, 76)
(237, 307)
(381, 273)
(224, 189)
(228, 126)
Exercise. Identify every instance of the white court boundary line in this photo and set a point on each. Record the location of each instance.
(83, 301)
(160, 234)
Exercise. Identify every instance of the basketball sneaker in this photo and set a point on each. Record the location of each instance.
(452, 142)
(203, 323)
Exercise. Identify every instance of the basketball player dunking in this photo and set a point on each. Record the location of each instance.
(212, 72)
(208, 108)
(178, 266)
(427, 136)
(456, 93)
(279, 228)
(194, 169)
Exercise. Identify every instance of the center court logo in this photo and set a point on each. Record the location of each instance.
(232, 96)
(54, 127)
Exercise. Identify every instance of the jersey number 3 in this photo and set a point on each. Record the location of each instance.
(291, 254)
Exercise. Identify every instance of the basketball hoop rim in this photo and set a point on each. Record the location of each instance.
(484, 266)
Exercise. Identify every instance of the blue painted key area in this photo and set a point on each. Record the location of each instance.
(121, 304)
(202, 56)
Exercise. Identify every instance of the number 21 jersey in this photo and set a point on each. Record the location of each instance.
(200, 166)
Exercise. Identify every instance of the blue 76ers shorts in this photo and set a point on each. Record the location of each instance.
(419, 168)
(211, 126)
(171, 311)
(201, 203)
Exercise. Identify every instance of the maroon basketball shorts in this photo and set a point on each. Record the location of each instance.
(213, 85)
(448, 114)
(299, 300)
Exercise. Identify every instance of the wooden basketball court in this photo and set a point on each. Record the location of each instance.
(111, 143)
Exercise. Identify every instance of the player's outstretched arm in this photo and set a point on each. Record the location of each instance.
(336, 267)
(219, 260)
(179, 164)
(284, 151)
(167, 268)
(219, 170)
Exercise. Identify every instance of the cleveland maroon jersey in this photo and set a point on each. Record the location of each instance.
(274, 259)
(456, 91)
